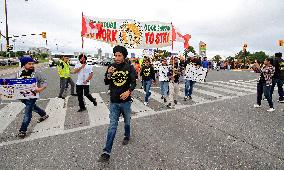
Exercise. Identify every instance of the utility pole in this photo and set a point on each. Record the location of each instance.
(6, 16)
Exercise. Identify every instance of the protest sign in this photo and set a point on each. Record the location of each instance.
(12, 89)
(195, 73)
(127, 33)
(163, 73)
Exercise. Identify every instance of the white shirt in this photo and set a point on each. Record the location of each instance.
(83, 74)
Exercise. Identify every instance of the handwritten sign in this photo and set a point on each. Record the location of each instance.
(195, 73)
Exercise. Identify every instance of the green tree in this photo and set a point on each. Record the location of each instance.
(217, 58)
(230, 59)
(261, 56)
(188, 50)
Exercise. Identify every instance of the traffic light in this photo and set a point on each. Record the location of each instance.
(280, 42)
(9, 47)
(43, 34)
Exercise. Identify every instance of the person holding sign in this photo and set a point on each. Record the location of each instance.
(164, 79)
(85, 74)
(148, 76)
(120, 77)
(189, 81)
(28, 71)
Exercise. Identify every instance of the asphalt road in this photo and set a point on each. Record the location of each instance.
(219, 129)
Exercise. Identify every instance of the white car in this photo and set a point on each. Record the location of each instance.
(89, 61)
(73, 61)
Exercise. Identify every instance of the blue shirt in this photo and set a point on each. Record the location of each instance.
(205, 64)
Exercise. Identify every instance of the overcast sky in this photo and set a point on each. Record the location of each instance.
(224, 25)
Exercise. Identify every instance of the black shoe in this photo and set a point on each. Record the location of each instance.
(81, 109)
(185, 99)
(281, 100)
(104, 157)
(95, 103)
(175, 102)
(189, 97)
(162, 97)
(169, 106)
(73, 94)
(165, 100)
(22, 134)
(42, 118)
(125, 141)
(61, 97)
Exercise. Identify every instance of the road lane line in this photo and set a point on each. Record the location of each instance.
(98, 115)
(225, 84)
(9, 113)
(56, 109)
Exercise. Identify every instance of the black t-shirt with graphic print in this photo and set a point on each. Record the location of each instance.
(121, 80)
(147, 73)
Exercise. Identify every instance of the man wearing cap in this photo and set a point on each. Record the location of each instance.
(65, 78)
(28, 71)
(120, 77)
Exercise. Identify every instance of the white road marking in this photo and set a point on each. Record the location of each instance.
(98, 115)
(55, 123)
(9, 113)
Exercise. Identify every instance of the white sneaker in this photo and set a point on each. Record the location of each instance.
(145, 103)
(256, 106)
(271, 110)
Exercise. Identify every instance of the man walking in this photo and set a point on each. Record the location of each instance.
(65, 78)
(148, 77)
(278, 77)
(28, 71)
(175, 73)
(164, 79)
(120, 77)
(85, 75)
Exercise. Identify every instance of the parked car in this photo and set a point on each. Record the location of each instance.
(2, 63)
(108, 62)
(89, 61)
(73, 61)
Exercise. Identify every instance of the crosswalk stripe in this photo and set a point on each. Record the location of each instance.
(195, 98)
(220, 89)
(139, 107)
(244, 82)
(98, 115)
(248, 85)
(240, 85)
(233, 86)
(56, 111)
(154, 95)
(9, 113)
(216, 95)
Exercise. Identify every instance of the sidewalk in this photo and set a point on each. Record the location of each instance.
(15, 69)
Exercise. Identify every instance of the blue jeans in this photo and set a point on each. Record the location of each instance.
(30, 107)
(164, 88)
(115, 110)
(262, 88)
(188, 87)
(279, 85)
(147, 86)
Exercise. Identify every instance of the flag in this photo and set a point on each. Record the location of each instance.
(177, 36)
